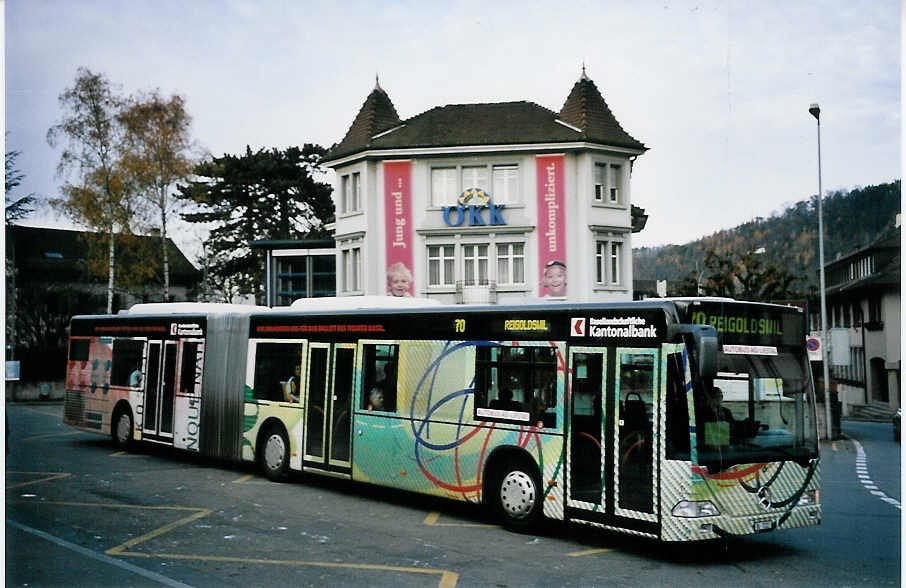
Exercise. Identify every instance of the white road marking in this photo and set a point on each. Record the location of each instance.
(862, 473)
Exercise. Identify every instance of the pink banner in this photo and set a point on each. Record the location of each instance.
(398, 227)
(551, 225)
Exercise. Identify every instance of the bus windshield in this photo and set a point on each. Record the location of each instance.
(760, 406)
(758, 409)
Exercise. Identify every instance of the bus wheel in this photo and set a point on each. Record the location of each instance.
(274, 456)
(121, 430)
(518, 498)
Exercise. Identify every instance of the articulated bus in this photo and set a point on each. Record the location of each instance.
(675, 419)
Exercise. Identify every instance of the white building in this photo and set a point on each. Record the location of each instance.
(493, 203)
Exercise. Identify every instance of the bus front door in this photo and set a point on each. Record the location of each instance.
(328, 414)
(612, 439)
(160, 387)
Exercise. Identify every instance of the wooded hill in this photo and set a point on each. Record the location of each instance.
(852, 220)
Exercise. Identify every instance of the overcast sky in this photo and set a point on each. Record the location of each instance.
(718, 90)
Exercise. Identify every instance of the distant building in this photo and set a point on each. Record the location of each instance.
(487, 203)
(298, 269)
(863, 298)
(47, 284)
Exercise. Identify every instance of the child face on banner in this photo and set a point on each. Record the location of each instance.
(555, 279)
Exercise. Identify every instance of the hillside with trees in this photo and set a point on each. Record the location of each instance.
(782, 249)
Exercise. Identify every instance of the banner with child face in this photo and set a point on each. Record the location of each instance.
(398, 227)
(550, 173)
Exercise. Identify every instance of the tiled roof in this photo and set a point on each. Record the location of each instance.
(504, 123)
(48, 252)
(586, 109)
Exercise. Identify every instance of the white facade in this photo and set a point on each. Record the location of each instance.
(491, 263)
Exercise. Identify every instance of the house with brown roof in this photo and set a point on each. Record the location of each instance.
(53, 274)
(487, 203)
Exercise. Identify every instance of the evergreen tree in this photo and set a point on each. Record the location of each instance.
(261, 195)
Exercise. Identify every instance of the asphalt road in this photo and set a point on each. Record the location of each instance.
(80, 513)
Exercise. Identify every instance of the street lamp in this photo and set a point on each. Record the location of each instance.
(815, 111)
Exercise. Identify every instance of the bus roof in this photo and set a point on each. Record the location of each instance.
(192, 308)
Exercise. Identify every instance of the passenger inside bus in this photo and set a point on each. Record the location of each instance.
(292, 385)
(135, 378)
(376, 399)
(505, 401)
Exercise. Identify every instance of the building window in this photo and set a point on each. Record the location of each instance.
(475, 176)
(441, 265)
(444, 187)
(474, 265)
(615, 181)
(351, 193)
(352, 270)
(607, 262)
(608, 179)
(511, 263)
(506, 184)
(874, 309)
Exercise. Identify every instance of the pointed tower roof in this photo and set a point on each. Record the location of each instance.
(586, 110)
(376, 116)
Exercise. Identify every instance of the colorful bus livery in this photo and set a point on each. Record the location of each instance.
(597, 413)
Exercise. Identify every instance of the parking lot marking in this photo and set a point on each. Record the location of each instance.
(47, 477)
(431, 521)
(55, 415)
(448, 579)
(98, 556)
(47, 435)
(588, 552)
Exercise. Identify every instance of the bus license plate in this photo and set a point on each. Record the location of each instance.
(762, 526)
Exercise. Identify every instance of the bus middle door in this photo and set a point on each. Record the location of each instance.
(160, 388)
(613, 392)
(328, 414)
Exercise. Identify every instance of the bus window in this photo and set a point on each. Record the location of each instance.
(278, 368)
(187, 375)
(127, 358)
(677, 410)
(516, 384)
(380, 377)
(79, 349)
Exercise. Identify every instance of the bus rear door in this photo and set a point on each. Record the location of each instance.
(328, 414)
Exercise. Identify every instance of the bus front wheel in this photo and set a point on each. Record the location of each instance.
(274, 456)
(518, 497)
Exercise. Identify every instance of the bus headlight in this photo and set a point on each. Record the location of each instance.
(809, 497)
(691, 509)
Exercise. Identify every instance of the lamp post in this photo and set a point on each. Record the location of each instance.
(815, 111)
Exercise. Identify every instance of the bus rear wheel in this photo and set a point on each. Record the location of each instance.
(274, 455)
(121, 429)
(518, 498)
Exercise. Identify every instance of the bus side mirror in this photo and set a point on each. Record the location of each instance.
(704, 339)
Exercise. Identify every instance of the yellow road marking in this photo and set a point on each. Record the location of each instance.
(431, 520)
(587, 552)
(41, 412)
(48, 477)
(448, 579)
(244, 479)
(46, 435)
(834, 446)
